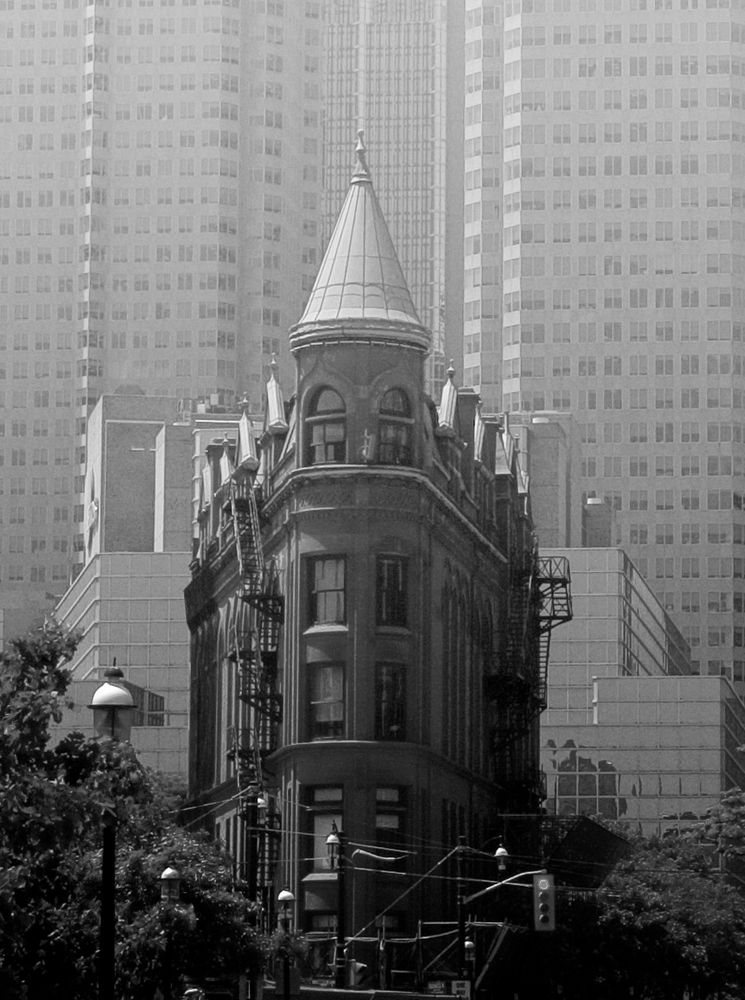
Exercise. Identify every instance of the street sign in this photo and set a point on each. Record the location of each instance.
(461, 988)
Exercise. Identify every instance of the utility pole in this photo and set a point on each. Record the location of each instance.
(461, 957)
(341, 930)
(335, 848)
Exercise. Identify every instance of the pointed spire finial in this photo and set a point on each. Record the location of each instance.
(275, 407)
(360, 152)
(244, 404)
(451, 371)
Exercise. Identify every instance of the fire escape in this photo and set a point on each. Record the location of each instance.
(254, 649)
(540, 599)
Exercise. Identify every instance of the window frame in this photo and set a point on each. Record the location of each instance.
(321, 427)
(335, 724)
(314, 591)
(395, 429)
(390, 820)
(390, 690)
(325, 805)
(391, 601)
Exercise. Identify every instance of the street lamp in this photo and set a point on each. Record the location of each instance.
(170, 892)
(170, 885)
(470, 948)
(112, 707)
(285, 897)
(335, 848)
(502, 857)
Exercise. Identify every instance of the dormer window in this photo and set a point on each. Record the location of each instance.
(395, 428)
(327, 428)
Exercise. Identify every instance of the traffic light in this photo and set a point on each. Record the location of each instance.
(544, 903)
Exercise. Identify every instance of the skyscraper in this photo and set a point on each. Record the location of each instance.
(159, 198)
(482, 149)
(395, 69)
(623, 247)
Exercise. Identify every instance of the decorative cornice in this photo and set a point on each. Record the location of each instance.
(417, 753)
(332, 334)
(303, 479)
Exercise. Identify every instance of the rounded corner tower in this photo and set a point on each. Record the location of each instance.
(360, 347)
(360, 289)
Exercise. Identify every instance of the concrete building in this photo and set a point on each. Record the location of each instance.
(128, 607)
(550, 456)
(623, 292)
(395, 69)
(160, 181)
(142, 496)
(629, 733)
(401, 700)
(599, 526)
(127, 601)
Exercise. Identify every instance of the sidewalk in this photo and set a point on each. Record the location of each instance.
(331, 993)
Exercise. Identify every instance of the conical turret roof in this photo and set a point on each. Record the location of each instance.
(360, 283)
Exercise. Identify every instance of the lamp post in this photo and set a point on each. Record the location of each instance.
(335, 848)
(470, 947)
(170, 885)
(112, 707)
(502, 857)
(286, 897)
(170, 892)
(460, 890)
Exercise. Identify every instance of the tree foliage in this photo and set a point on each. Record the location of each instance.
(52, 801)
(666, 922)
(724, 825)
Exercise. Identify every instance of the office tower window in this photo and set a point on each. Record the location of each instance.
(326, 701)
(326, 426)
(326, 597)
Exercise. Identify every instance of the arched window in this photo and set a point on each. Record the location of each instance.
(327, 428)
(394, 428)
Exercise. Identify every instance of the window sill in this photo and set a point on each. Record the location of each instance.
(328, 876)
(326, 630)
(402, 630)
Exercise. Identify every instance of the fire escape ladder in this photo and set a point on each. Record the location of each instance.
(554, 598)
(255, 652)
(521, 623)
(540, 600)
(511, 688)
(248, 539)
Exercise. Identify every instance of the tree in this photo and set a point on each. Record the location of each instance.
(724, 825)
(663, 923)
(51, 804)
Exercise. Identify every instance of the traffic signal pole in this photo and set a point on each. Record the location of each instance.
(544, 903)
(512, 879)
